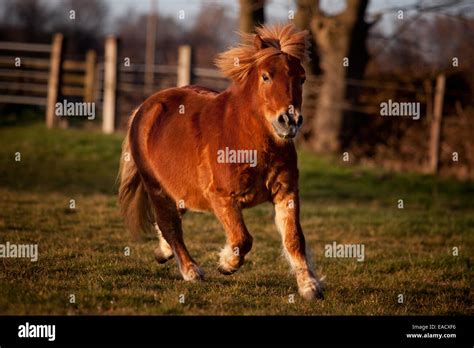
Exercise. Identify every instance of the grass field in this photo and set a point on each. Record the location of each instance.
(81, 251)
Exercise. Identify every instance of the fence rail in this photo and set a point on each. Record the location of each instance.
(25, 100)
(43, 81)
(23, 79)
(27, 47)
(26, 62)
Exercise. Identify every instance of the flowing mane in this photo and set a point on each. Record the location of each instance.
(236, 62)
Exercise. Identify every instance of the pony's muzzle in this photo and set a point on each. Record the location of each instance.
(286, 125)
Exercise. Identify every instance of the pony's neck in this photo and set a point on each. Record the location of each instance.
(247, 105)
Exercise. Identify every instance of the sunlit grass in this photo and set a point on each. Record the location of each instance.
(81, 251)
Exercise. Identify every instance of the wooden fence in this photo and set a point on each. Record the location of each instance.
(37, 74)
(121, 86)
(24, 80)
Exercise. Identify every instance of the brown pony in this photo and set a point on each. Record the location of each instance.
(192, 148)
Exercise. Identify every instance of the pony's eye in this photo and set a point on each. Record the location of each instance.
(265, 78)
(303, 80)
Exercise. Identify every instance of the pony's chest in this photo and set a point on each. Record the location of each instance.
(252, 187)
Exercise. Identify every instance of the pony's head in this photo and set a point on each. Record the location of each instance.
(269, 63)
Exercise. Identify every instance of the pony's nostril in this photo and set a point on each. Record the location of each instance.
(299, 121)
(283, 119)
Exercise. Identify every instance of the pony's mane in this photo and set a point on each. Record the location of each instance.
(236, 62)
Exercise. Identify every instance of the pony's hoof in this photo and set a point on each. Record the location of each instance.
(162, 260)
(229, 266)
(226, 270)
(229, 262)
(162, 256)
(312, 290)
(193, 273)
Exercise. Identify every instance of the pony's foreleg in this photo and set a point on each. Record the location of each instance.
(239, 241)
(288, 224)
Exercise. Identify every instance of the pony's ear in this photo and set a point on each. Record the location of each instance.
(259, 43)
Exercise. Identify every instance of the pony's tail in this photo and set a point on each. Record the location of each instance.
(135, 204)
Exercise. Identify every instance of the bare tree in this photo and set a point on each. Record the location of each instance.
(252, 14)
(82, 23)
(340, 41)
(206, 42)
(305, 9)
(24, 20)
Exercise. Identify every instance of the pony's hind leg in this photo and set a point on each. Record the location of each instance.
(163, 252)
(168, 220)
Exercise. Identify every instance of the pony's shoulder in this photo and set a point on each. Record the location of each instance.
(201, 90)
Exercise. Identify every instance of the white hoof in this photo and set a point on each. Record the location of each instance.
(193, 273)
(229, 262)
(162, 255)
(310, 288)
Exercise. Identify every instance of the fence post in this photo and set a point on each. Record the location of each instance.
(110, 84)
(428, 88)
(54, 79)
(184, 65)
(89, 78)
(435, 133)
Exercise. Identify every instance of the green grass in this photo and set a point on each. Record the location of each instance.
(81, 251)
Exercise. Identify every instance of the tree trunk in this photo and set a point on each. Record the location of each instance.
(337, 38)
(251, 15)
(303, 17)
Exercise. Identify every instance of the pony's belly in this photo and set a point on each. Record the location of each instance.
(192, 197)
(187, 196)
(253, 198)
(198, 204)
